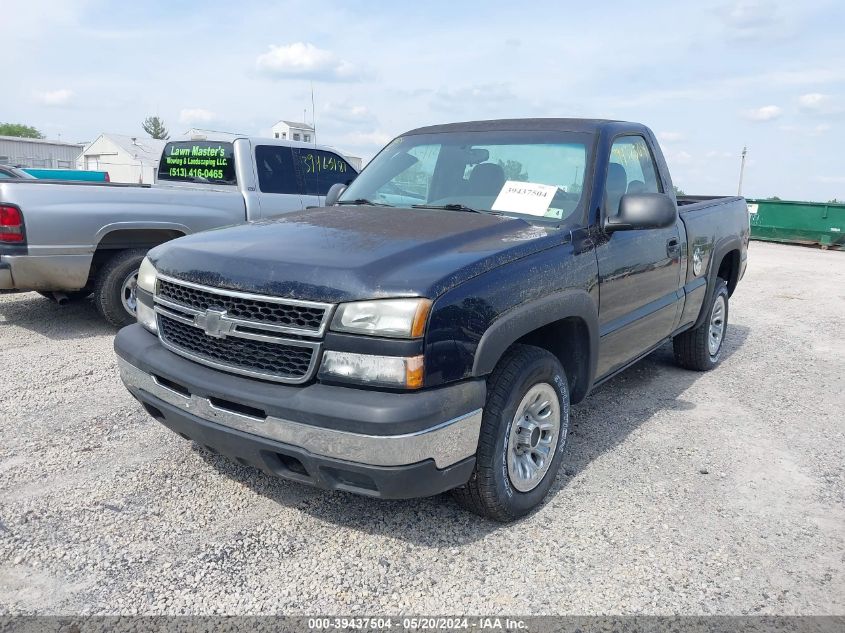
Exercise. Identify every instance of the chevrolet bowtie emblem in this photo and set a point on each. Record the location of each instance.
(214, 322)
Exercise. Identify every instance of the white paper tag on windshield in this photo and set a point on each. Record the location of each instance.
(525, 197)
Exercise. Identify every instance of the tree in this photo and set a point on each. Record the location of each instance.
(513, 170)
(154, 126)
(678, 191)
(19, 129)
(775, 198)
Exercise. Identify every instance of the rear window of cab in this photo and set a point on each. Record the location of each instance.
(199, 162)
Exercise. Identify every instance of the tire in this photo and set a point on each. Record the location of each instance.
(109, 286)
(493, 491)
(693, 349)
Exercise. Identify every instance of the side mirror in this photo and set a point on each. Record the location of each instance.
(334, 193)
(643, 211)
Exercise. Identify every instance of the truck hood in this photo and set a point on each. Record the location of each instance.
(351, 253)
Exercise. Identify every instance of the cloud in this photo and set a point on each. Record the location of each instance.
(54, 97)
(807, 75)
(190, 116)
(483, 100)
(346, 112)
(679, 158)
(830, 179)
(749, 19)
(817, 103)
(368, 139)
(670, 137)
(815, 130)
(765, 113)
(303, 60)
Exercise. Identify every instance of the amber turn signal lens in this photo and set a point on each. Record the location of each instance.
(414, 372)
(420, 318)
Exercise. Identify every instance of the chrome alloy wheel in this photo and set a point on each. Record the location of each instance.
(717, 326)
(533, 437)
(128, 295)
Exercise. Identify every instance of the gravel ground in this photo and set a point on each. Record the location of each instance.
(682, 492)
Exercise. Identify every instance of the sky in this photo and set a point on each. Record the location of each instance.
(709, 77)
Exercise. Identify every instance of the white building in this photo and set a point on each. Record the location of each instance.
(293, 131)
(126, 158)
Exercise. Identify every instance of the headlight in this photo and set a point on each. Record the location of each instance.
(146, 316)
(144, 312)
(384, 371)
(396, 318)
(147, 276)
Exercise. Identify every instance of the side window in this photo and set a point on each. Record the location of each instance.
(319, 170)
(631, 170)
(276, 173)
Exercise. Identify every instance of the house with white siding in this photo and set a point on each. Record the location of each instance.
(126, 158)
(293, 131)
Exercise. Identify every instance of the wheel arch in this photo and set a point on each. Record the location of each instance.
(120, 235)
(724, 264)
(565, 323)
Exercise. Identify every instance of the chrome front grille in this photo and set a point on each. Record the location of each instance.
(254, 335)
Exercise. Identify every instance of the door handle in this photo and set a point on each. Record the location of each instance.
(673, 247)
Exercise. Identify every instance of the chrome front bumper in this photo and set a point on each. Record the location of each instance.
(446, 443)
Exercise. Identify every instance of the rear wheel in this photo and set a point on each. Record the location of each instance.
(523, 433)
(701, 348)
(115, 285)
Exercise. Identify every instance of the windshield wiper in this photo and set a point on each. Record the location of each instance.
(447, 207)
(363, 201)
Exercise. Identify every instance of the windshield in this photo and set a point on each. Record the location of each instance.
(537, 175)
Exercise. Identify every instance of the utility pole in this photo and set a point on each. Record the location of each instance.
(313, 114)
(741, 171)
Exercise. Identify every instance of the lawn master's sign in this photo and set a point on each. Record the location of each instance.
(198, 161)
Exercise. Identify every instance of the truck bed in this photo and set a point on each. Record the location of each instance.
(714, 224)
(692, 203)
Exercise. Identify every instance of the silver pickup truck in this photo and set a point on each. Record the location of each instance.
(68, 240)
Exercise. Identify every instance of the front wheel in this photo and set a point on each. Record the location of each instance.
(115, 285)
(701, 348)
(523, 434)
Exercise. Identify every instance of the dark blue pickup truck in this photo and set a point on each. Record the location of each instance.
(429, 329)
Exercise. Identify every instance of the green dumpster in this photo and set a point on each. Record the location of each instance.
(798, 222)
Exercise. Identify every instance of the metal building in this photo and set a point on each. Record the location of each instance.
(36, 152)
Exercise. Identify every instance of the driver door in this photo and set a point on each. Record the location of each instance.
(639, 270)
